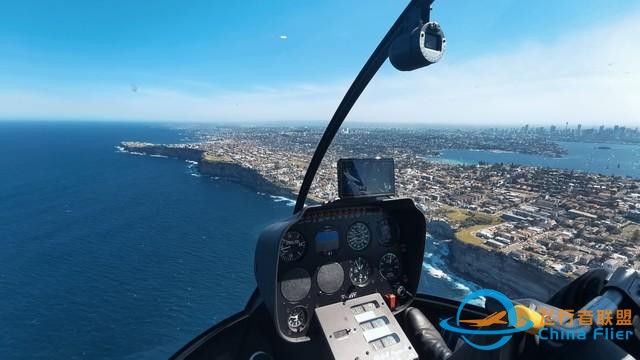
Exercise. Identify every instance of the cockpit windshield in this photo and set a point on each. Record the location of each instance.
(146, 146)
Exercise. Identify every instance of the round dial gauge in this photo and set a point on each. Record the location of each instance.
(385, 232)
(295, 284)
(359, 272)
(297, 319)
(292, 246)
(389, 266)
(358, 236)
(330, 277)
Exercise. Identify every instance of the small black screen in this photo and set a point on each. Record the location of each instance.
(432, 41)
(366, 177)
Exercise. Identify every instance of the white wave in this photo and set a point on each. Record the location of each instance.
(159, 156)
(289, 202)
(479, 301)
(462, 286)
(466, 286)
(121, 149)
(437, 273)
(191, 162)
(195, 174)
(435, 266)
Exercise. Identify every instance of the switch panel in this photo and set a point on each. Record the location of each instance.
(364, 328)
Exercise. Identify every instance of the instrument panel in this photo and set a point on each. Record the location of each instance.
(335, 254)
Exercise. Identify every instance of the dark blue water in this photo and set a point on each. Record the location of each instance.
(107, 255)
(111, 255)
(621, 160)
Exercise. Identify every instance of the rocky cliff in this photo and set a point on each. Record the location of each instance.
(495, 270)
(242, 175)
(440, 229)
(184, 153)
(212, 166)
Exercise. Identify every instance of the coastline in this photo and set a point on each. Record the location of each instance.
(474, 263)
(495, 270)
(213, 166)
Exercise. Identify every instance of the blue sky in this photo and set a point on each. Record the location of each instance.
(226, 61)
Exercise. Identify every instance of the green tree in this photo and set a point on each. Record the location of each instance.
(612, 229)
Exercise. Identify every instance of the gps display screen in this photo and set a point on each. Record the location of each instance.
(366, 177)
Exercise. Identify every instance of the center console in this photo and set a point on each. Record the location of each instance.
(364, 328)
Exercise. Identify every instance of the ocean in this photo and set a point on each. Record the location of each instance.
(110, 255)
(608, 159)
(106, 255)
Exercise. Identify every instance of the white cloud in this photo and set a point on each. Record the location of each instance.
(588, 77)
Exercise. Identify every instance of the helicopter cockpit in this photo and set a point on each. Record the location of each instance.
(334, 278)
(344, 253)
(340, 280)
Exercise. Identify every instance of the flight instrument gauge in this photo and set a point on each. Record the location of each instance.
(389, 266)
(358, 236)
(385, 232)
(292, 246)
(297, 319)
(359, 272)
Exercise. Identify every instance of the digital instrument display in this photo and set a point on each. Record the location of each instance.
(366, 177)
(327, 240)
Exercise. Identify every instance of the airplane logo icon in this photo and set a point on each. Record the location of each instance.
(509, 320)
(495, 318)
